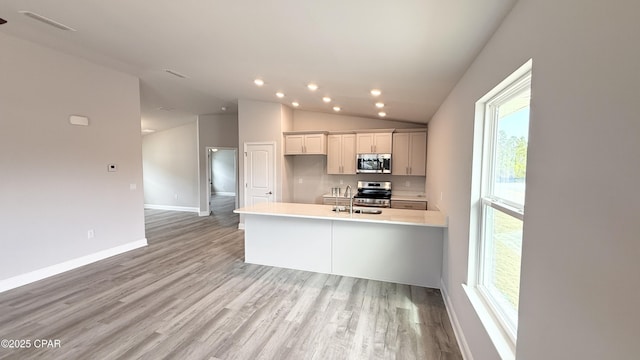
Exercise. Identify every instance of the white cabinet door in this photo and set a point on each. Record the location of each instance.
(311, 144)
(315, 144)
(382, 143)
(334, 154)
(364, 143)
(349, 154)
(341, 154)
(293, 144)
(400, 159)
(374, 143)
(418, 154)
(409, 154)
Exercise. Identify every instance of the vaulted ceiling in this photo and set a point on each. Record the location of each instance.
(414, 51)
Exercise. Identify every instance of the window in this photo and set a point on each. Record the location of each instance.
(498, 203)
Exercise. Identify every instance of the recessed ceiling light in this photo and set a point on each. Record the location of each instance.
(336, 108)
(46, 20)
(280, 94)
(148, 131)
(376, 92)
(295, 104)
(312, 86)
(224, 108)
(258, 82)
(326, 99)
(379, 105)
(382, 114)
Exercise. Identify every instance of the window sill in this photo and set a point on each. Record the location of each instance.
(502, 342)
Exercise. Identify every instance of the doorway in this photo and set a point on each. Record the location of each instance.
(222, 179)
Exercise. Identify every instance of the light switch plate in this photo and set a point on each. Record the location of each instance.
(79, 120)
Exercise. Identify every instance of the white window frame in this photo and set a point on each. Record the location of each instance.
(490, 309)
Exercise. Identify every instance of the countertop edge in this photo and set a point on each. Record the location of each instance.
(365, 218)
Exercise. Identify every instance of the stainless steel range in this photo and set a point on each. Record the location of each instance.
(373, 193)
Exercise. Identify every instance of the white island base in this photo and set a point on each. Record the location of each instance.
(356, 245)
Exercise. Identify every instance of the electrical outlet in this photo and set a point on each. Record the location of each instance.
(133, 187)
(299, 180)
(91, 234)
(175, 196)
(341, 182)
(407, 183)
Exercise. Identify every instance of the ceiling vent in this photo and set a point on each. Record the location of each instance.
(175, 73)
(47, 21)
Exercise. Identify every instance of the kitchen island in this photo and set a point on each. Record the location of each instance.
(401, 246)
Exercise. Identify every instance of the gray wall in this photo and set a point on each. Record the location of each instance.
(223, 172)
(213, 131)
(54, 184)
(170, 159)
(579, 298)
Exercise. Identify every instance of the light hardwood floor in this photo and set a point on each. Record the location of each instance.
(189, 295)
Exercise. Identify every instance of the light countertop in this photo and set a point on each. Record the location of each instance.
(429, 218)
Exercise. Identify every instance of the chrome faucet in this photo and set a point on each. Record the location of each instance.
(347, 193)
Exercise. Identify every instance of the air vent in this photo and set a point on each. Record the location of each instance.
(175, 73)
(47, 21)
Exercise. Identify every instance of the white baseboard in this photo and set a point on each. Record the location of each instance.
(457, 329)
(24, 279)
(172, 208)
(241, 226)
(224, 193)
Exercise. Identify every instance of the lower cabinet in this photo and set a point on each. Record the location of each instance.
(410, 205)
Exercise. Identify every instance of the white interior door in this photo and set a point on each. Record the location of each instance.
(259, 173)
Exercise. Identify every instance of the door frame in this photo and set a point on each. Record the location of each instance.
(208, 172)
(244, 174)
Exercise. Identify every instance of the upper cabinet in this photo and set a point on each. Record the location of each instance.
(341, 154)
(409, 153)
(305, 143)
(374, 142)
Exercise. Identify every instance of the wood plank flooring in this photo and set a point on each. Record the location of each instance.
(189, 295)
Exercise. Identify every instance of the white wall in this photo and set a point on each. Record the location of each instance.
(264, 121)
(170, 159)
(54, 184)
(579, 298)
(213, 130)
(310, 120)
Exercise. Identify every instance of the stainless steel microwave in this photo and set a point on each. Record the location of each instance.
(373, 164)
